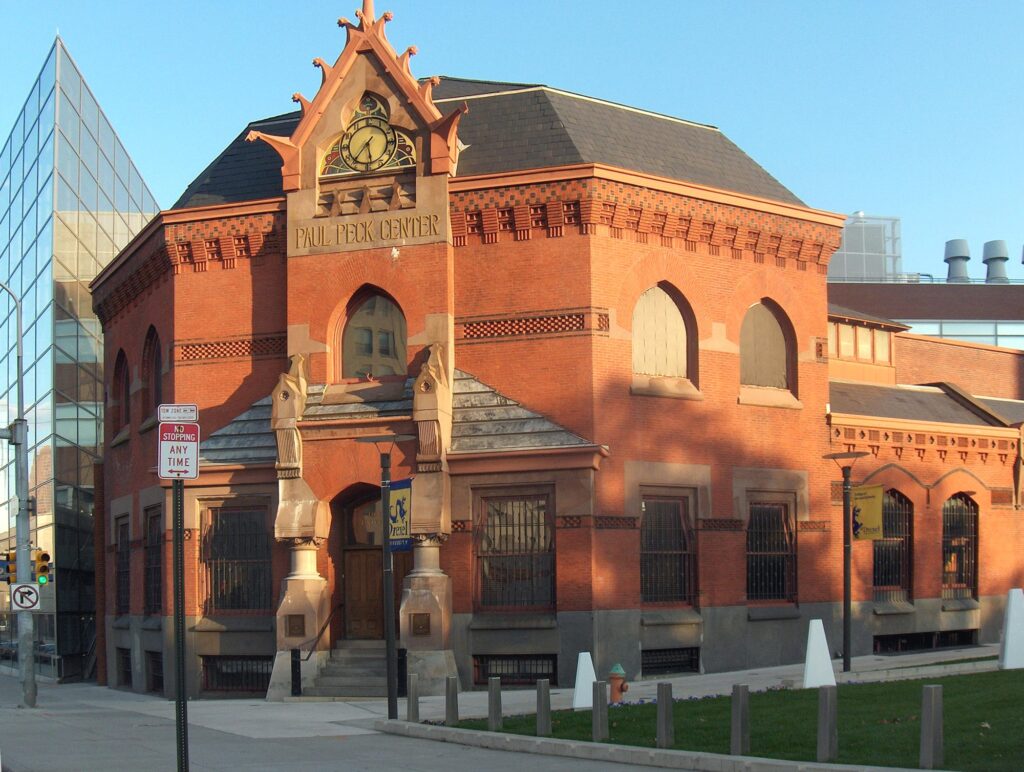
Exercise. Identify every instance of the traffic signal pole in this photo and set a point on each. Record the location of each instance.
(18, 437)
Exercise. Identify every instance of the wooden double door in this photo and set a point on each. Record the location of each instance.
(358, 575)
(364, 590)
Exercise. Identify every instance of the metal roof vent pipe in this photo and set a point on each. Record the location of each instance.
(995, 257)
(957, 255)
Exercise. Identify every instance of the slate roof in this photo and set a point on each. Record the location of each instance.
(246, 440)
(1010, 409)
(849, 313)
(484, 420)
(912, 403)
(516, 126)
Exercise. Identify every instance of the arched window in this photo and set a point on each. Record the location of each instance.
(959, 547)
(152, 364)
(767, 349)
(373, 342)
(120, 404)
(893, 556)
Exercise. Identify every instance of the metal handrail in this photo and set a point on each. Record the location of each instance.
(314, 641)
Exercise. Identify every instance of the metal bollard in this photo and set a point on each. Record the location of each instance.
(666, 725)
(599, 716)
(828, 723)
(931, 728)
(739, 739)
(543, 707)
(451, 701)
(412, 699)
(494, 704)
(296, 674)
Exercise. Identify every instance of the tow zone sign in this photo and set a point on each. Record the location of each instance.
(179, 451)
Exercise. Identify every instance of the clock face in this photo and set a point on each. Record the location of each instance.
(368, 144)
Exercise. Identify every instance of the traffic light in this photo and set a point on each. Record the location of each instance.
(41, 569)
(12, 568)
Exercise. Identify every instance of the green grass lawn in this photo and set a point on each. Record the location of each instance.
(879, 723)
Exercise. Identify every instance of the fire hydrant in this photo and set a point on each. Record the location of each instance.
(617, 681)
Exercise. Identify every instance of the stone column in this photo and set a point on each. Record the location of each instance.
(304, 602)
(426, 616)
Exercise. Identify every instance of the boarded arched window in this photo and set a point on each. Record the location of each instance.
(373, 342)
(766, 350)
(153, 365)
(121, 393)
(664, 338)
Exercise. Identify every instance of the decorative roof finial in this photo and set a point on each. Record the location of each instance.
(366, 16)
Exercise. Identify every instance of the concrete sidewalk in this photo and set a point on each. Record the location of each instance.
(87, 727)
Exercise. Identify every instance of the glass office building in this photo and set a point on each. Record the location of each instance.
(70, 200)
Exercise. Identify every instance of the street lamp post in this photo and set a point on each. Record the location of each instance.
(839, 458)
(387, 561)
(17, 435)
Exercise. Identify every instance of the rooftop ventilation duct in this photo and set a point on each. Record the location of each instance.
(995, 258)
(957, 255)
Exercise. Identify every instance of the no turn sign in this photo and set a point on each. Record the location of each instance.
(24, 597)
(179, 451)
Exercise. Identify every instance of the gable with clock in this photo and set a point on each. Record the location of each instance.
(367, 166)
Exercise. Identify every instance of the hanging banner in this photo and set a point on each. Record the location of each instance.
(400, 515)
(867, 512)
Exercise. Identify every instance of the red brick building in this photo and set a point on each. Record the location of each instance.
(607, 332)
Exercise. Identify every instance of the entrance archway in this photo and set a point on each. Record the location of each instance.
(356, 565)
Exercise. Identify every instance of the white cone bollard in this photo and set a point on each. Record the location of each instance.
(818, 665)
(583, 693)
(1011, 649)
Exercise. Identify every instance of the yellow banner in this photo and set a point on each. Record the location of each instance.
(867, 512)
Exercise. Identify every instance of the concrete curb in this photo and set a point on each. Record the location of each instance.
(621, 754)
(921, 671)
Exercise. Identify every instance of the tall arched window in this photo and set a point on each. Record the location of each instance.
(373, 342)
(767, 349)
(664, 335)
(152, 364)
(120, 404)
(892, 570)
(959, 547)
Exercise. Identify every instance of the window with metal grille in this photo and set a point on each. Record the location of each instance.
(236, 556)
(667, 557)
(665, 661)
(892, 571)
(237, 674)
(959, 547)
(154, 558)
(771, 553)
(515, 670)
(124, 667)
(515, 552)
(124, 567)
(155, 672)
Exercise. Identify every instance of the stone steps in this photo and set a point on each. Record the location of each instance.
(355, 669)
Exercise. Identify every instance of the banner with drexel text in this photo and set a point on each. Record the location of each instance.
(400, 515)
(867, 512)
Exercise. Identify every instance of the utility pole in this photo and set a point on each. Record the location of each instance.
(17, 435)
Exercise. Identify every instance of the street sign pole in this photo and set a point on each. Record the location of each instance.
(180, 705)
(178, 460)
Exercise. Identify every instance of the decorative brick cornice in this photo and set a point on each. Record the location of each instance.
(274, 345)
(602, 207)
(896, 441)
(721, 524)
(174, 245)
(616, 522)
(560, 322)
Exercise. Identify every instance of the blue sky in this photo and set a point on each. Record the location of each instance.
(911, 109)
